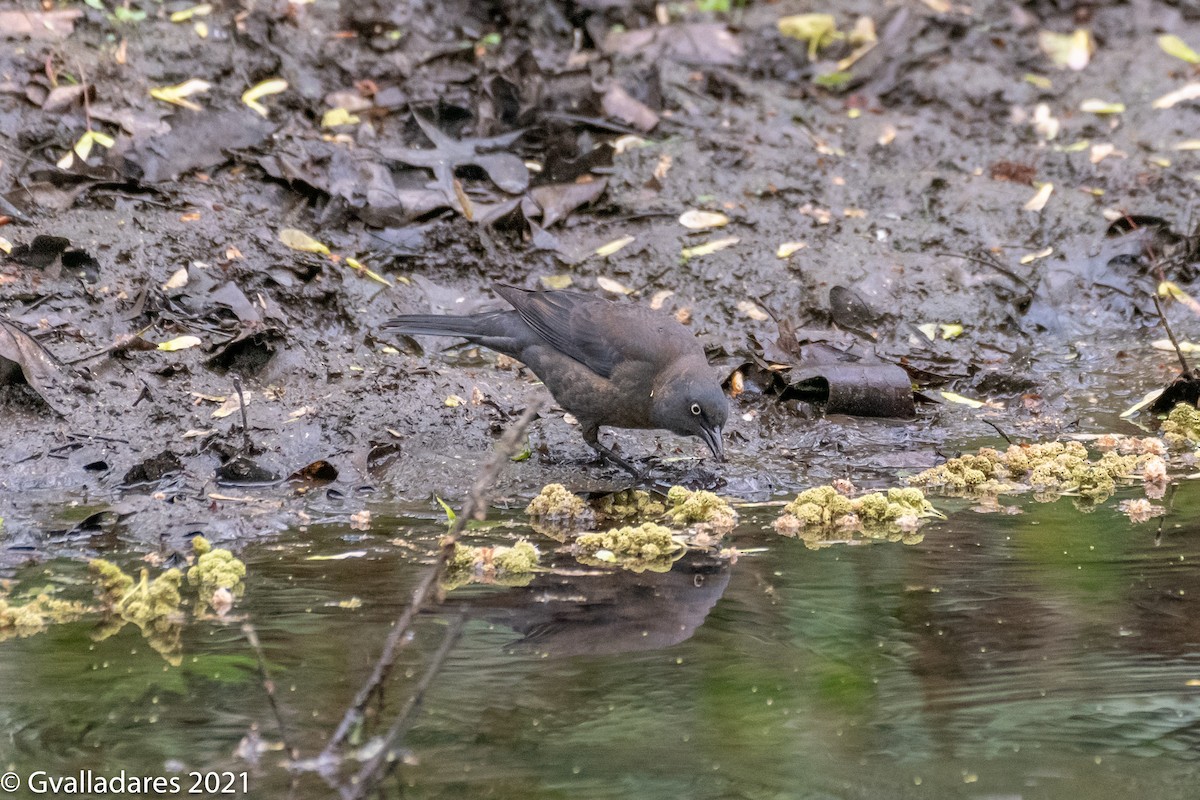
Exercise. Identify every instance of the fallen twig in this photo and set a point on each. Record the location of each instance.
(475, 507)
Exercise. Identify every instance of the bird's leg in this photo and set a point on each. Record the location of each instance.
(591, 435)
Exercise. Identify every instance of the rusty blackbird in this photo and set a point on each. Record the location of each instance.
(607, 363)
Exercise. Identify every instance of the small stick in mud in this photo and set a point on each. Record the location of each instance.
(268, 686)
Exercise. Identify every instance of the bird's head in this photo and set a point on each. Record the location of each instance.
(692, 403)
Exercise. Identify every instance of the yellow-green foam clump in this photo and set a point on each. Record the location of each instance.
(686, 507)
(35, 614)
(1049, 468)
(151, 605)
(1181, 428)
(648, 546)
(505, 566)
(215, 568)
(557, 504)
(630, 503)
(824, 509)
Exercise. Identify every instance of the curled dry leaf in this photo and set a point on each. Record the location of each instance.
(1101, 107)
(614, 246)
(260, 90)
(952, 397)
(179, 93)
(709, 248)
(1172, 45)
(1068, 50)
(1039, 200)
(179, 343)
(752, 311)
(1029, 258)
(299, 240)
(610, 285)
(1190, 91)
(788, 249)
(701, 220)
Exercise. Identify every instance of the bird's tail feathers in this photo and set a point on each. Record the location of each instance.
(470, 327)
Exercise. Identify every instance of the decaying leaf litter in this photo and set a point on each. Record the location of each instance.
(945, 189)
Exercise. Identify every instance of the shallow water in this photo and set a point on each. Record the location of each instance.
(1044, 654)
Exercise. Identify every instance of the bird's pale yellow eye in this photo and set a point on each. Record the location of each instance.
(696, 409)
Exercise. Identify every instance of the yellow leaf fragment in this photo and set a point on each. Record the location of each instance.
(5, 245)
(610, 285)
(606, 250)
(184, 14)
(1104, 150)
(701, 220)
(556, 281)
(628, 142)
(1172, 45)
(178, 279)
(1189, 91)
(709, 247)
(178, 94)
(179, 343)
(1150, 397)
(752, 311)
(260, 90)
(950, 330)
(1094, 106)
(951, 397)
(299, 240)
(1184, 347)
(929, 329)
(358, 266)
(1039, 81)
(1029, 258)
(1188, 144)
(1045, 124)
(1068, 50)
(1039, 200)
(201, 29)
(339, 116)
(819, 30)
(454, 401)
(789, 249)
(1171, 289)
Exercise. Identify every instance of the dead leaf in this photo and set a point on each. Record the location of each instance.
(1039, 200)
(179, 93)
(610, 285)
(702, 220)
(708, 248)
(620, 104)
(614, 246)
(260, 90)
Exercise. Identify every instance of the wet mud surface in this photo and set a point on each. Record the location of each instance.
(491, 145)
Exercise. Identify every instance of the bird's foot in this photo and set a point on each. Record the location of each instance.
(606, 454)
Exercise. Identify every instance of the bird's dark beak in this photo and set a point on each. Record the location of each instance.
(712, 438)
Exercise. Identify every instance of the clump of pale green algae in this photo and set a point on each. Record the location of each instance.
(216, 568)
(506, 566)
(556, 504)
(1181, 428)
(821, 512)
(1049, 468)
(645, 547)
(151, 605)
(35, 614)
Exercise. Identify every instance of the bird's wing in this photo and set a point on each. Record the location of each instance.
(597, 333)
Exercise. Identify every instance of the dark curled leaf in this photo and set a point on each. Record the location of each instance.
(21, 352)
